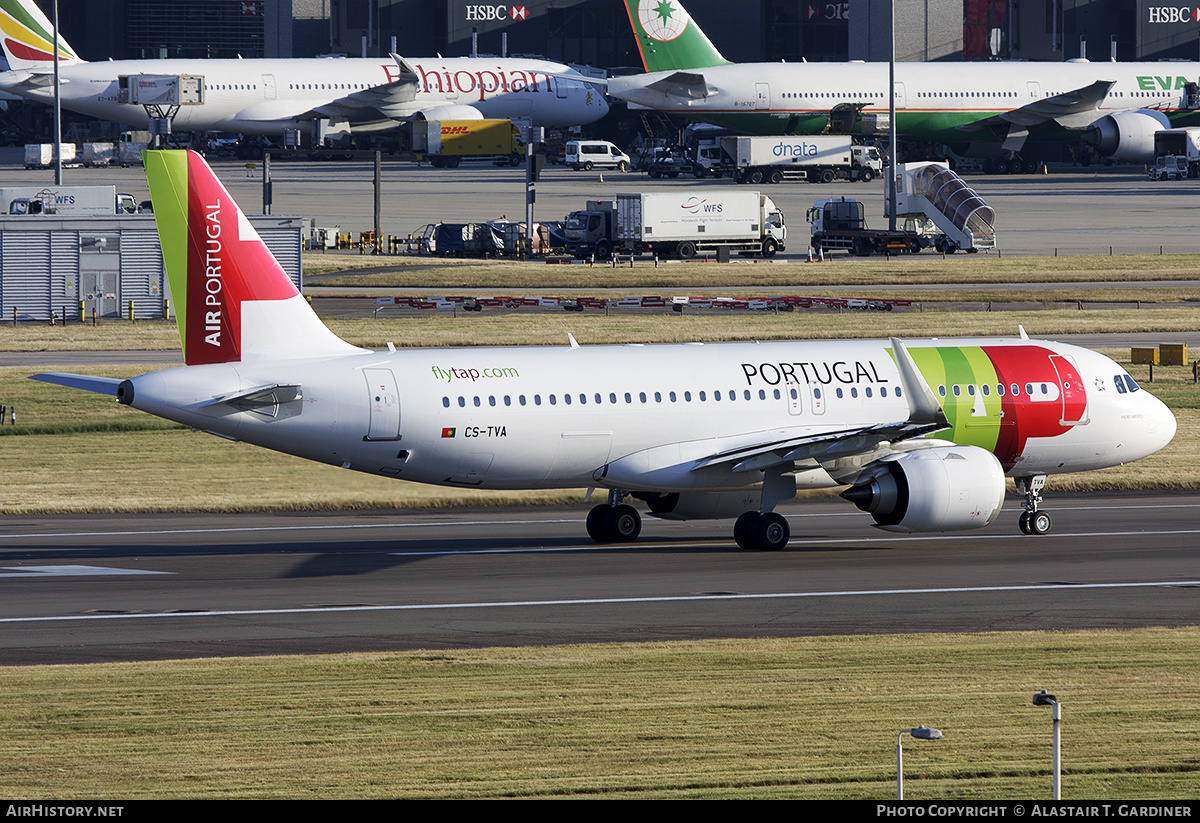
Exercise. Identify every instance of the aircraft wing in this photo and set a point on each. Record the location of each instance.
(1076, 109)
(393, 101)
(824, 447)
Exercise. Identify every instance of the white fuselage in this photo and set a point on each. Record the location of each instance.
(637, 417)
(266, 96)
(933, 100)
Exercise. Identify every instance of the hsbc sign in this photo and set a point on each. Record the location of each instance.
(1173, 14)
(481, 13)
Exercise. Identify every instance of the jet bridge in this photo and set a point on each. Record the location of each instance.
(932, 191)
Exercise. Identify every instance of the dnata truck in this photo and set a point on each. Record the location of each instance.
(66, 201)
(1176, 154)
(448, 142)
(677, 224)
(820, 158)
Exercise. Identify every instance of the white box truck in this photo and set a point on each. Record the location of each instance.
(677, 224)
(820, 158)
(65, 201)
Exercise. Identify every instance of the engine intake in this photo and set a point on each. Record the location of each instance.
(1127, 135)
(947, 488)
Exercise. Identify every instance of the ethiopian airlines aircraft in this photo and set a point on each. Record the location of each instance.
(922, 431)
(1114, 107)
(269, 96)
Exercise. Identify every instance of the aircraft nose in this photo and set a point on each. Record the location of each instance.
(1164, 424)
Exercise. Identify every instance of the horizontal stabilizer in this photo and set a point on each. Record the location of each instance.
(99, 385)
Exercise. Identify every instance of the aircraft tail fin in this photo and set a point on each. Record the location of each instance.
(668, 38)
(27, 36)
(232, 299)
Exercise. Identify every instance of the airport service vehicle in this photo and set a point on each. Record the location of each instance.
(41, 155)
(271, 96)
(933, 204)
(922, 432)
(1177, 154)
(585, 155)
(677, 224)
(449, 142)
(66, 201)
(1115, 108)
(820, 158)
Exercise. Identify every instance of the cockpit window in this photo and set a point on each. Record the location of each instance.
(1131, 384)
(1119, 382)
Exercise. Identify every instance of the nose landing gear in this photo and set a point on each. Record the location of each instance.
(1032, 521)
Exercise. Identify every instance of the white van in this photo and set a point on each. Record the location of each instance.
(590, 154)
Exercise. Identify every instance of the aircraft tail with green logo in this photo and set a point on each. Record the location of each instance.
(667, 37)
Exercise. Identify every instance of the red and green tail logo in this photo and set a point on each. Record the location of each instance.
(214, 258)
(668, 38)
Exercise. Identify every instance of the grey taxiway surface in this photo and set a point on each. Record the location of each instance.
(90, 588)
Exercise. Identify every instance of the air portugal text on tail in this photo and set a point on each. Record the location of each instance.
(922, 432)
(232, 299)
(213, 256)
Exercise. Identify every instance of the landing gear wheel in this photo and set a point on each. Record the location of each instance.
(595, 523)
(742, 529)
(1039, 523)
(622, 524)
(1023, 522)
(770, 532)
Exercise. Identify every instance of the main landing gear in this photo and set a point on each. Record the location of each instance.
(766, 531)
(1033, 521)
(614, 522)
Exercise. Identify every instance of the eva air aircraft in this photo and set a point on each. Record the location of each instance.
(1114, 107)
(922, 431)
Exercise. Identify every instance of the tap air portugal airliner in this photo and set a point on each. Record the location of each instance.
(922, 431)
(1114, 107)
(269, 96)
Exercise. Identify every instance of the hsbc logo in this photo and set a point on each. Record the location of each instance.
(1173, 14)
(480, 13)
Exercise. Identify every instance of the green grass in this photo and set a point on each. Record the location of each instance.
(438, 273)
(443, 329)
(800, 718)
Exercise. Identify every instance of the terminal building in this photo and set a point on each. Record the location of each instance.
(596, 32)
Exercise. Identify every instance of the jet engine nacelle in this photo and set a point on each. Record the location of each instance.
(1127, 135)
(456, 111)
(946, 488)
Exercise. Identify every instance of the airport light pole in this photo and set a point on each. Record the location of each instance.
(920, 733)
(1044, 699)
(57, 104)
(892, 119)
